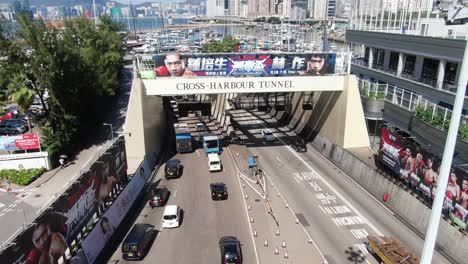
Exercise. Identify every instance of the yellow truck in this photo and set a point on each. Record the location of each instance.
(390, 250)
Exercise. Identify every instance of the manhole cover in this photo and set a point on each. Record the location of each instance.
(257, 200)
(37, 195)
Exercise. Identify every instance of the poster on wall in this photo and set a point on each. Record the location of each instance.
(419, 170)
(261, 65)
(95, 242)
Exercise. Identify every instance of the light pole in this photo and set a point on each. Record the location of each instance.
(111, 129)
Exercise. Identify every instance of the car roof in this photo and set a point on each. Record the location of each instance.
(159, 189)
(172, 162)
(228, 239)
(170, 209)
(136, 233)
(218, 184)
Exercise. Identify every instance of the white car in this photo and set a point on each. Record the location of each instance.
(268, 135)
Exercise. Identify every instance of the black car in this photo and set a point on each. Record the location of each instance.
(218, 191)
(173, 168)
(299, 145)
(159, 197)
(137, 242)
(231, 252)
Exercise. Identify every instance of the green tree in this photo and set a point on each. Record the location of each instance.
(21, 93)
(228, 44)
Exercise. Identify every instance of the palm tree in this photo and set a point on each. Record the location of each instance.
(22, 94)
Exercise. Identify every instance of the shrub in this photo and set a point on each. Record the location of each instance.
(21, 176)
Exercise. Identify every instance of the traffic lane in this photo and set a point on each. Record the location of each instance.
(373, 209)
(14, 213)
(309, 201)
(146, 216)
(204, 221)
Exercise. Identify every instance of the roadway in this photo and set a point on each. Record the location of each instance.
(204, 221)
(335, 211)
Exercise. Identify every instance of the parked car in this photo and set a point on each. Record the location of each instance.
(6, 116)
(159, 197)
(16, 121)
(173, 168)
(299, 145)
(231, 252)
(268, 135)
(137, 242)
(11, 129)
(218, 191)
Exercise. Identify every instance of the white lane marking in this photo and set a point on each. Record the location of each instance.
(2, 205)
(353, 181)
(198, 154)
(278, 159)
(245, 207)
(175, 193)
(294, 215)
(332, 188)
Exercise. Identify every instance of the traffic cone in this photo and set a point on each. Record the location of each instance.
(255, 233)
(283, 244)
(276, 251)
(265, 243)
(286, 254)
(277, 232)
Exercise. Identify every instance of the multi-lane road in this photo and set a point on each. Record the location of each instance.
(332, 210)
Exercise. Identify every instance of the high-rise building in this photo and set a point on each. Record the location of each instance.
(324, 8)
(215, 8)
(286, 8)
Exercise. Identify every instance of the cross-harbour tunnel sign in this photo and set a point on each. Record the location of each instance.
(219, 85)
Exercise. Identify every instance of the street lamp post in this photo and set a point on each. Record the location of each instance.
(111, 129)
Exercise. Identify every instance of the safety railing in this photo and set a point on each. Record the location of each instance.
(424, 109)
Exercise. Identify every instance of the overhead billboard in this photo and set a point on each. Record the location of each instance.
(20, 142)
(244, 65)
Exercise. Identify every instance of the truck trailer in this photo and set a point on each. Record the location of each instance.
(184, 140)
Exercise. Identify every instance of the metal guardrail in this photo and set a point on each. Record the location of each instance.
(406, 99)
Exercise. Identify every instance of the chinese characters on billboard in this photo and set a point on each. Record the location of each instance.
(20, 142)
(419, 170)
(192, 65)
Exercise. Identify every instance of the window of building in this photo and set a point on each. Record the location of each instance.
(366, 54)
(450, 72)
(430, 68)
(379, 57)
(410, 61)
(393, 60)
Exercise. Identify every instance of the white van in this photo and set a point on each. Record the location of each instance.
(214, 162)
(171, 216)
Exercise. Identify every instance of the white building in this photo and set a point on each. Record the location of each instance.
(214, 8)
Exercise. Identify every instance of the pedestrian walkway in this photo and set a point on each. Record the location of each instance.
(278, 235)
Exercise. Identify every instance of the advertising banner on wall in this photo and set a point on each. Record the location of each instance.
(20, 142)
(52, 232)
(104, 229)
(419, 170)
(251, 65)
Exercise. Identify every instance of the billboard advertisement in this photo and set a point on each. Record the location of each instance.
(20, 142)
(55, 229)
(95, 242)
(419, 170)
(244, 65)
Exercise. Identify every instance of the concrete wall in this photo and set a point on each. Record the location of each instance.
(405, 205)
(144, 126)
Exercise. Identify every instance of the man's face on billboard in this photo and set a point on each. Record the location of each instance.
(465, 186)
(175, 65)
(41, 237)
(315, 64)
